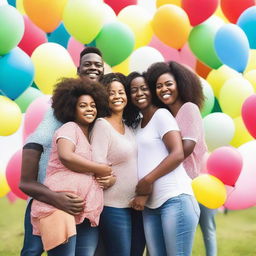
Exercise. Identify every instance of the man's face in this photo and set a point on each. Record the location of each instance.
(91, 66)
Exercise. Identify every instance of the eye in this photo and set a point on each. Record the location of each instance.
(99, 65)
(169, 84)
(134, 90)
(145, 88)
(159, 86)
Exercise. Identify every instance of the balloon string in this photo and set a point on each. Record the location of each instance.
(230, 193)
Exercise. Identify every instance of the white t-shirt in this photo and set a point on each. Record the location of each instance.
(152, 150)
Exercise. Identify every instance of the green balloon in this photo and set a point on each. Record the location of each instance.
(201, 43)
(216, 107)
(24, 100)
(11, 28)
(116, 41)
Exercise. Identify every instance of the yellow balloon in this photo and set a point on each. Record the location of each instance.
(251, 77)
(4, 187)
(241, 134)
(123, 67)
(233, 94)
(171, 25)
(217, 77)
(52, 62)
(209, 191)
(10, 116)
(220, 14)
(20, 6)
(163, 2)
(251, 61)
(139, 20)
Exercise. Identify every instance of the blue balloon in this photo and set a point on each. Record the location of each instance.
(247, 22)
(59, 36)
(16, 73)
(12, 2)
(232, 47)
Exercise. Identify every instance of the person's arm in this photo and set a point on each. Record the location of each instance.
(188, 147)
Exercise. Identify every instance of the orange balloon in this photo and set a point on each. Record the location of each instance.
(46, 14)
(171, 25)
(202, 70)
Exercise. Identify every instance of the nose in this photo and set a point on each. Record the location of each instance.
(139, 92)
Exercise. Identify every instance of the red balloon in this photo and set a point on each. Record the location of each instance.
(199, 10)
(13, 171)
(233, 9)
(225, 163)
(249, 114)
(118, 5)
(32, 37)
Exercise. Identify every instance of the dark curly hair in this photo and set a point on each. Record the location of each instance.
(188, 84)
(132, 116)
(89, 49)
(67, 92)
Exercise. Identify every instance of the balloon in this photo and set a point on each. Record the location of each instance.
(199, 10)
(20, 7)
(11, 197)
(232, 47)
(116, 42)
(109, 15)
(241, 134)
(201, 42)
(27, 97)
(123, 67)
(143, 57)
(201, 69)
(251, 77)
(171, 25)
(4, 187)
(251, 62)
(149, 5)
(216, 107)
(208, 98)
(216, 78)
(117, 5)
(248, 114)
(163, 2)
(10, 116)
(244, 193)
(11, 29)
(74, 48)
(220, 14)
(225, 163)
(219, 130)
(139, 20)
(13, 172)
(232, 95)
(54, 60)
(46, 14)
(35, 113)
(209, 191)
(33, 37)
(83, 19)
(247, 23)
(233, 9)
(59, 36)
(11, 2)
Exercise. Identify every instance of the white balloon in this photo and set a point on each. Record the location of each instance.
(149, 5)
(219, 130)
(143, 57)
(108, 14)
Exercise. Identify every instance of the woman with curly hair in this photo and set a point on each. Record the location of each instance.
(76, 103)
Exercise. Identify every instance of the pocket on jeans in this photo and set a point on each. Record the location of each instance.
(195, 206)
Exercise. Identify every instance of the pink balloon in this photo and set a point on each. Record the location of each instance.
(11, 197)
(249, 114)
(13, 171)
(243, 195)
(35, 113)
(225, 163)
(33, 36)
(74, 48)
(183, 56)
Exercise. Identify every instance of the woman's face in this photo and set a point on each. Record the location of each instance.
(86, 110)
(166, 89)
(117, 97)
(140, 93)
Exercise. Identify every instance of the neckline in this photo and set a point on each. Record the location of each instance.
(149, 120)
(122, 134)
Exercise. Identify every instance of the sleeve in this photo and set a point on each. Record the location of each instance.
(67, 131)
(165, 122)
(100, 141)
(190, 122)
(45, 130)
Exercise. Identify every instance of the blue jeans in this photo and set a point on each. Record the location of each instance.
(170, 229)
(122, 231)
(208, 227)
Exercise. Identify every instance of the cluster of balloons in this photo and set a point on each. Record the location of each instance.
(41, 42)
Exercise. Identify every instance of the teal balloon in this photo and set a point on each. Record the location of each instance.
(59, 36)
(216, 106)
(232, 47)
(116, 42)
(201, 42)
(12, 2)
(16, 73)
(27, 97)
(11, 28)
(92, 44)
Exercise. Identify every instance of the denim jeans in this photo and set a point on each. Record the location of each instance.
(170, 229)
(122, 231)
(208, 227)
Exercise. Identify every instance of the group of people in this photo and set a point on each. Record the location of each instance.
(109, 168)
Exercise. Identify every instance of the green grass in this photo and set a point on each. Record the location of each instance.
(236, 231)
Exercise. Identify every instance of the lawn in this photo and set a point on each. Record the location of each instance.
(236, 231)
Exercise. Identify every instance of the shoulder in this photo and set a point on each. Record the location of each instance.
(163, 114)
(189, 106)
(68, 125)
